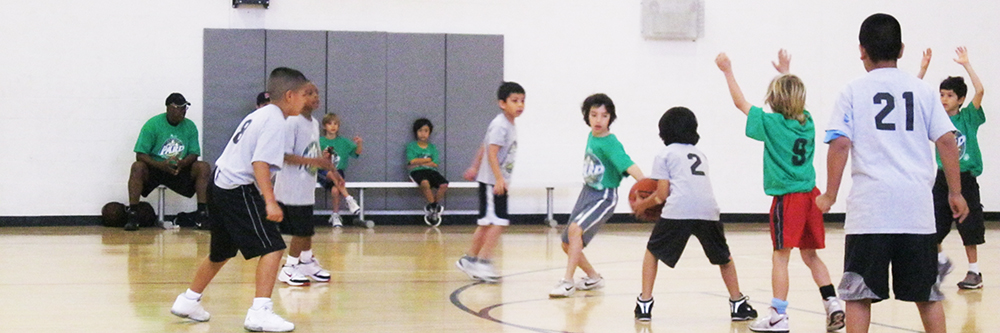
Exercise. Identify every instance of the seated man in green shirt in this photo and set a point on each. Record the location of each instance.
(166, 153)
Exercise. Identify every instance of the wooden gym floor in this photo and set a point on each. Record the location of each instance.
(403, 279)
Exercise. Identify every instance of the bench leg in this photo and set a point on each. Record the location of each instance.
(160, 206)
(361, 214)
(548, 208)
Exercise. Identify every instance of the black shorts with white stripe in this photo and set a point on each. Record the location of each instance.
(240, 224)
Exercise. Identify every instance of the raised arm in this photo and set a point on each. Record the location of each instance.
(963, 59)
(926, 61)
(734, 89)
(784, 62)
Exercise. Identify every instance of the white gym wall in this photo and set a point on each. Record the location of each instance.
(78, 80)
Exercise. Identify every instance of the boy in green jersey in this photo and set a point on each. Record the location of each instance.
(789, 142)
(422, 161)
(970, 160)
(340, 149)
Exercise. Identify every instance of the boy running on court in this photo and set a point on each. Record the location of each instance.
(497, 152)
(242, 203)
(341, 150)
(604, 164)
(970, 160)
(294, 188)
(422, 160)
(789, 138)
(883, 120)
(681, 172)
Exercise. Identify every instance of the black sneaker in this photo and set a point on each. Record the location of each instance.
(201, 220)
(133, 220)
(643, 309)
(741, 310)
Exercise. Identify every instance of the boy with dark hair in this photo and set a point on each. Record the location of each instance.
(967, 120)
(244, 207)
(422, 160)
(689, 208)
(884, 120)
(294, 188)
(497, 152)
(604, 164)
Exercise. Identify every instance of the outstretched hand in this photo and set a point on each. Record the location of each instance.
(784, 61)
(926, 61)
(963, 56)
(723, 62)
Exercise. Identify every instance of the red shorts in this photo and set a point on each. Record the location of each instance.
(797, 222)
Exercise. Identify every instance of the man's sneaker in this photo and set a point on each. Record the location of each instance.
(741, 310)
(563, 289)
(335, 220)
(291, 276)
(132, 224)
(643, 309)
(773, 323)
(944, 268)
(485, 271)
(352, 205)
(586, 283)
(189, 308)
(467, 266)
(834, 314)
(972, 281)
(265, 320)
(313, 270)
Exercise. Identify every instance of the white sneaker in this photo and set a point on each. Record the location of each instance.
(586, 283)
(485, 271)
(352, 205)
(563, 289)
(834, 314)
(335, 220)
(291, 276)
(189, 308)
(265, 320)
(773, 323)
(313, 270)
(466, 265)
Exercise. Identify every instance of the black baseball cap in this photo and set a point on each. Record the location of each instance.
(177, 99)
(263, 97)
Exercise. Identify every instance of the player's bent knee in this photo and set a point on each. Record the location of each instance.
(139, 168)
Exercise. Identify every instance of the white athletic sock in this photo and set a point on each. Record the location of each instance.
(291, 261)
(974, 267)
(191, 295)
(942, 258)
(259, 302)
(306, 256)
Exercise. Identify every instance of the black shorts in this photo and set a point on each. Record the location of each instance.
(298, 220)
(326, 182)
(867, 259)
(431, 176)
(669, 238)
(240, 223)
(972, 229)
(492, 207)
(182, 183)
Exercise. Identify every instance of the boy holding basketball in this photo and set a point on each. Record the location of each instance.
(789, 139)
(241, 197)
(884, 120)
(497, 152)
(295, 191)
(604, 163)
(683, 186)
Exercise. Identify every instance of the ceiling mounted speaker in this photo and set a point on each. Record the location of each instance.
(673, 19)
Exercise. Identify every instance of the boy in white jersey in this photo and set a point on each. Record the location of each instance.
(497, 152)
(884, 120)
(681, 172)
(295, 191)
(242, 203)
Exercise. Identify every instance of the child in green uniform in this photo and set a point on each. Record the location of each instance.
(340, 149)
(422, 160)
(967, 120)
(789, 138)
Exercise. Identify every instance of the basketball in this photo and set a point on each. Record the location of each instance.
(641, 190)
(146, 214)
(113, 215)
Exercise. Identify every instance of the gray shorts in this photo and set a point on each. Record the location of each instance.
(593, 208)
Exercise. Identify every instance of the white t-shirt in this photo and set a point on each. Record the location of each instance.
(260, 137)
(890, 115)
(295, 184)
(502, 133)
(691, 195)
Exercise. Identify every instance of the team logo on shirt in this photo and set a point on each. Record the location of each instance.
(961, 139)
(312, 151)
(508, 163)
(593, 170)
(172, 148)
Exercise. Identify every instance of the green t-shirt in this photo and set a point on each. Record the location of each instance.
(604, 162)
(788, 151)
(342, 149)
(161, 141)
(414, 151)
(967, 122)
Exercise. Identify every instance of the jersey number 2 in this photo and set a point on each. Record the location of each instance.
(694, 167)
(890, 104)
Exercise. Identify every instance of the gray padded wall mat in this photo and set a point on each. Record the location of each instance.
(301, 50)
(474, 71)
(233, 75)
